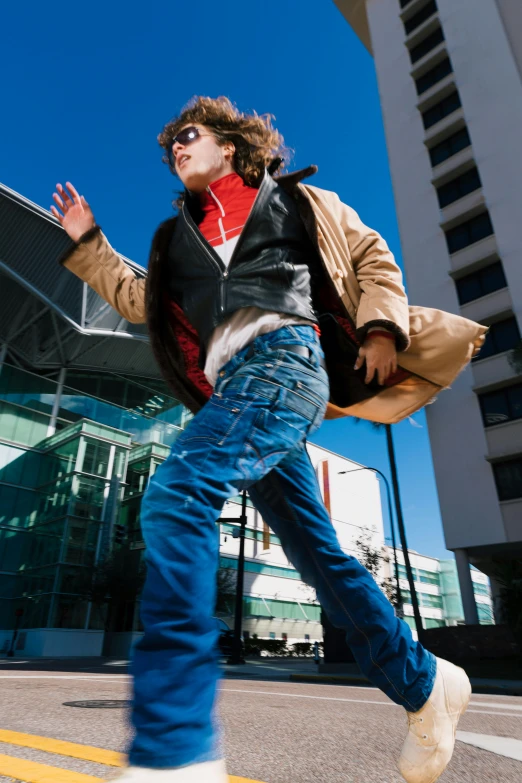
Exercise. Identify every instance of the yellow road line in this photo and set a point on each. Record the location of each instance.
(62, 748)
(31, 772)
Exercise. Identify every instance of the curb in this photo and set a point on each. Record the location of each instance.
(497, 689)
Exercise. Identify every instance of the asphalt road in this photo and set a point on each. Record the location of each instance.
(275, 731)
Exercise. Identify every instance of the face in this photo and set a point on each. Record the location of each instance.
(202, 161)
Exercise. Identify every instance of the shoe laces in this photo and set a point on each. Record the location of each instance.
(413, 719)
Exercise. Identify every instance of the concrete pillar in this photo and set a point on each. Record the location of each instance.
(496, 601)
(51, 429)
(466, 587)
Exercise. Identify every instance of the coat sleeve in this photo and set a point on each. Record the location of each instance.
(95, 262)
(383, 298)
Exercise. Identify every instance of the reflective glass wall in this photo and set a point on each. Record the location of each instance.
(55, 484)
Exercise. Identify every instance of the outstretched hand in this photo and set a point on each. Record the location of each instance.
(77, 217)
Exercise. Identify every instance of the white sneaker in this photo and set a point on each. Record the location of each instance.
(431, 738)
(205, 772)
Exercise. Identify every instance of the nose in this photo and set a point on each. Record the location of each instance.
(176, 148)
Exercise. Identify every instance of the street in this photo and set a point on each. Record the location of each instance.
(276, 731)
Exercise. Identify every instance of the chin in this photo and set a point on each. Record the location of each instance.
(193, 181)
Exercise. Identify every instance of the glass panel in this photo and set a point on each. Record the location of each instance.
(415, 21)
(469, 232)
(96, 459)
(80, 546)
(485, 614)
(442, 109)
(458, 188)
(26, 389)
(69, 612)
(88, 501)
(450, 146)
(45, 545)
(508, 477)
(480, 227)
(434, 75)
(505, 334)
(495, 407)
(514, 395)
(469, 288)
(492, 278)
(426, 45)
(431, 622)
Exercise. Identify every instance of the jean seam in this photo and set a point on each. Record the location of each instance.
(343, 607)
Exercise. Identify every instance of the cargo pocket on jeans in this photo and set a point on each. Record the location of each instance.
(269, 442)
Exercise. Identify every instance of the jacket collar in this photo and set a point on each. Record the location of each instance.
(287, 181)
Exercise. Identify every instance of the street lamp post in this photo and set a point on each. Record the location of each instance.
(237, 656)
(402, 533)
(400, 605)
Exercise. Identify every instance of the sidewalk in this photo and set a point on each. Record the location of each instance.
(271, 669)
(349, 674)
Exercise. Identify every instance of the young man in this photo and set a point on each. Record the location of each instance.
(240, 286)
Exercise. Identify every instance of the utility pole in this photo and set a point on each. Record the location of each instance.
(237, 654)
(402, 532)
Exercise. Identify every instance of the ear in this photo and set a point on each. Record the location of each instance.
(229, 150)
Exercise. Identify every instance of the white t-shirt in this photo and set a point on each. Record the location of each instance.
(242, 327)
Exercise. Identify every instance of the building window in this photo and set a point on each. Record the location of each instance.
(446, 149)
(480, 589)
(508, 478)
(266, 536)
(271, 635)
(469, 232)
(484, 281)
(459, 187)
(426, 45)
(442, 109)
(307, 637)
(501, 405)
(502, 336)
(404, 3)
(284, 637)
(434, 75)
(415, 21)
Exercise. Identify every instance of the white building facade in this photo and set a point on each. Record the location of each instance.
(278, 604)
(450, 85)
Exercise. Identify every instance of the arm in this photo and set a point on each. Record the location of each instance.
(93, 259)
(383, 303)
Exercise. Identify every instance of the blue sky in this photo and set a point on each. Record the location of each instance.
(92, 84)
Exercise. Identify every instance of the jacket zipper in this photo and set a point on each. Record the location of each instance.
(223, 273)
(207, 248)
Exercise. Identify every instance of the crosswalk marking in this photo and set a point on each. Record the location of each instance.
(502, 746)
(33, 772)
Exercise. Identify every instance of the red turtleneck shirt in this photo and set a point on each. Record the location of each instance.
(226, 204)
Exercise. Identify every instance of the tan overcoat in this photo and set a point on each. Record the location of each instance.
(434, 346)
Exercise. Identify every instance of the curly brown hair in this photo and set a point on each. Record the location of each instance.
(257, 143)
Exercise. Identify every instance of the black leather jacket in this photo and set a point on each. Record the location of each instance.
(271, 266)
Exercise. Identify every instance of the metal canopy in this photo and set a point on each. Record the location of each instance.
(49, 318)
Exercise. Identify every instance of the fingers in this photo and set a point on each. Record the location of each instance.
(65, 196)
(76, 195)
(57, 214)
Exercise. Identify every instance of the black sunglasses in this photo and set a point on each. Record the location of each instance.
(184, 137)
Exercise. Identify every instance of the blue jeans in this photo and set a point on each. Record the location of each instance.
(251, 433)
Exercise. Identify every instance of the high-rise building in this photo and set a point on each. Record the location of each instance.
(449, 75)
